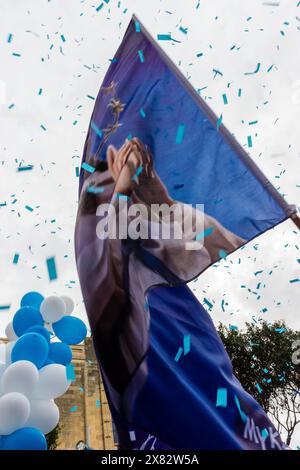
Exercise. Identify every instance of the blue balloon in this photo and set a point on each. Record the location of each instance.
(70, 330)
(60, 353)
(41, 330)
(32, 299)
(31, 347)
(24, 439)
(26, 317)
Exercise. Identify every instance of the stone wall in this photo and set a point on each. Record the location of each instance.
(84, 411)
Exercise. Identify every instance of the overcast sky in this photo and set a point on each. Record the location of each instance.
(53, 57)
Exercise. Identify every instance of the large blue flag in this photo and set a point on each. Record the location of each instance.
(196, 157)
(168, 379)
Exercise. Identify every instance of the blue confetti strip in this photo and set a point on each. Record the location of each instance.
(233, 328)
(221, 397)
(16, 258)
(255, 71)
(249, 139)
(186, 344)
(205, 233)
(280, 330)
(97, 403)
(183, 30)
(217, 72)
(219, 121)
(223, 254)
(52, 273)
(164, 37)
(96, 130)
(259, 388)
(180, 134)
(95, 189)
(30, 209)
(137, 173)
(74, 408)
(70, 373)
(142, 113)
(25, 168)
(100, 7)
(122, 196)
(4, 307)
(242, 414)
(141, 55)
(9, 37)
(208, 303)
(137, 27)
(257, 272)
(88, 167)
(178, 355)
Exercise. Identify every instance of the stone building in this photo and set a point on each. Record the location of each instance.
(84, 411)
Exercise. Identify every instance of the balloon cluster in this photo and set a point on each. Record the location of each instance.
(35, 369)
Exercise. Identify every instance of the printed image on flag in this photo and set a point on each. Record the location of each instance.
(168, 379)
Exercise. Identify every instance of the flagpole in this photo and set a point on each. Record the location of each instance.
(290, 210)
(296, 220)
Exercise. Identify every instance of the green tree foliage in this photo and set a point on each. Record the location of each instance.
(53, 438)
(261, 356)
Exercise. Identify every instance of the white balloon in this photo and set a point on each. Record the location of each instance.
(44, 415)
(52, 309)
(69, 303)
(52, 382)
(3, 353)
(14, 412)
(2, 369)
(10, 332)
(21, 376)
(8, 349)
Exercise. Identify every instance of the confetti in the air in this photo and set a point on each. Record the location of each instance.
(51, 266)
(221, 398)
